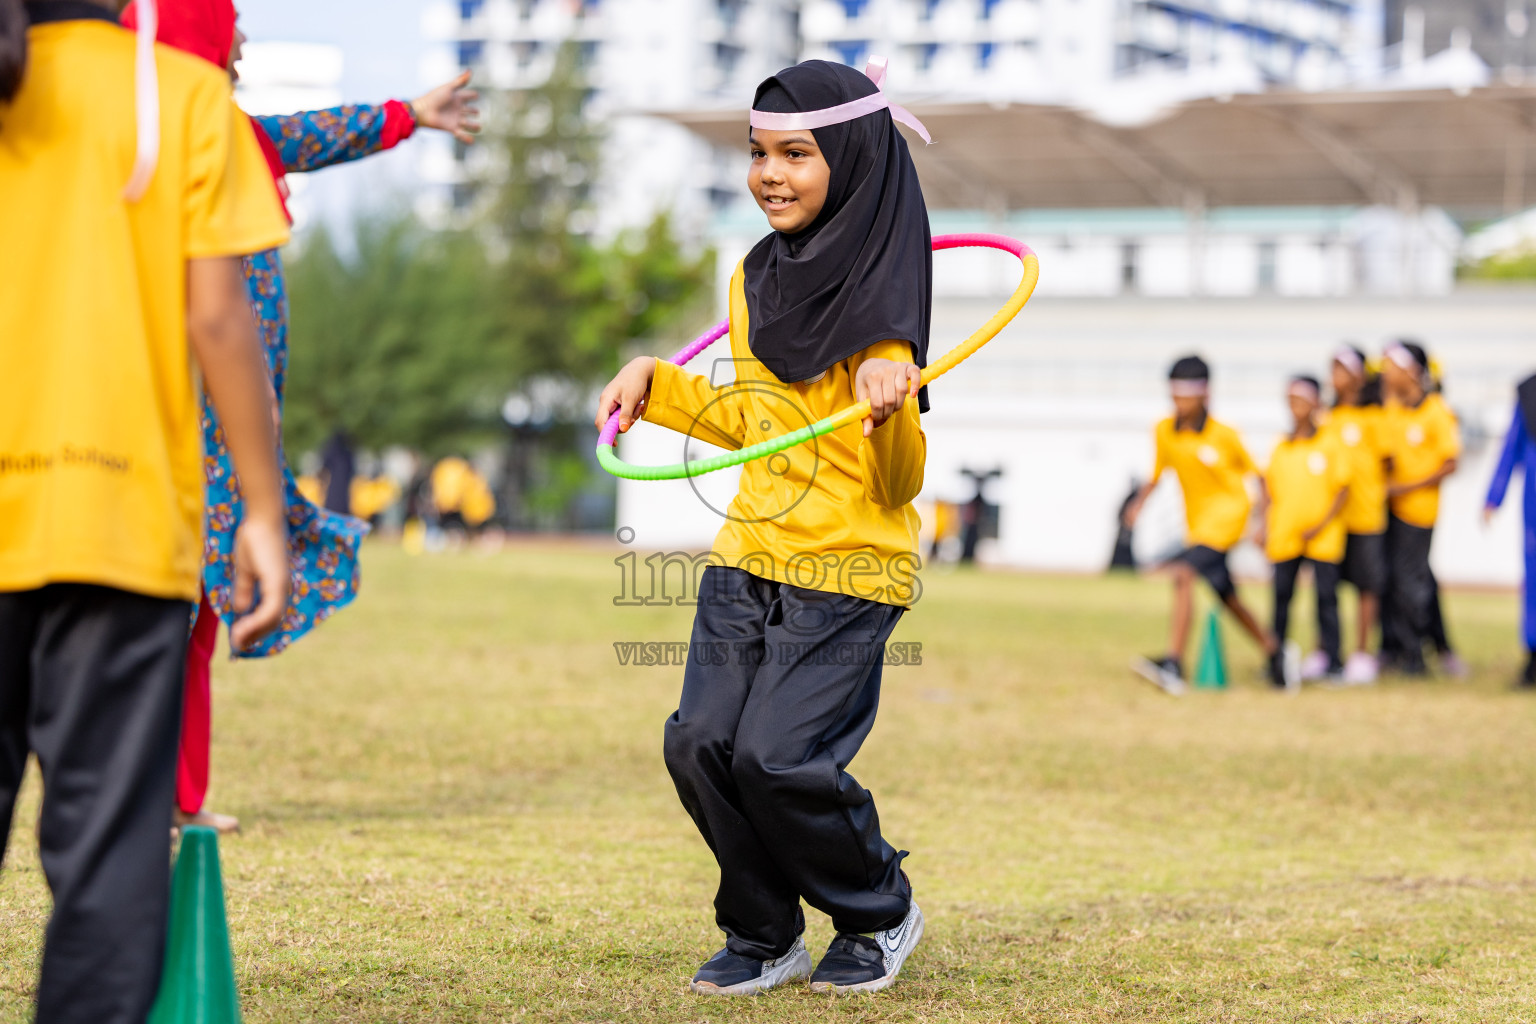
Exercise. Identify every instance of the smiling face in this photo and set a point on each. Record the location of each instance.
(789, 178)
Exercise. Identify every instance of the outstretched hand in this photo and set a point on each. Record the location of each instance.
(450, 108)
(886, 385)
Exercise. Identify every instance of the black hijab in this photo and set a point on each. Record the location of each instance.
(862, 272)
(1526, 390)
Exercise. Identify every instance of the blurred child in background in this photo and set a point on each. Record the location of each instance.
(1424, 443)
(110, 293)
(1355, 423)
(1306, 488)
(324, 560)
(1520, 451)
(1213, 468)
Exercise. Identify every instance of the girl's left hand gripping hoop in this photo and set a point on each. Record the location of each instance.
(610, 461)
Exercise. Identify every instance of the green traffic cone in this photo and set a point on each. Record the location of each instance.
(197, 985)
(1211, 674)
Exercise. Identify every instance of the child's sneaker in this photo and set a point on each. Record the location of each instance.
(1164, 673)
(1285, 668)
(733, 974)
(1361, 669)
(1315, 666)
(1452, 665)
(868, 963)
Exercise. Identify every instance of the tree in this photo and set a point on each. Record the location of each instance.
(393, 344)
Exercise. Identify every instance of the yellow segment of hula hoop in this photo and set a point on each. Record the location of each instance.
(989, 330)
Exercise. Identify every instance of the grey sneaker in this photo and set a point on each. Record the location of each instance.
(868, 963)
(1164, 673)
(733, 974)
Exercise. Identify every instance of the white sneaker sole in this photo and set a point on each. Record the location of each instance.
(790, 967)
(1149, 670)
(898, 958)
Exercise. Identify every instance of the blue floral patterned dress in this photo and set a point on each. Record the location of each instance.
(323, 544)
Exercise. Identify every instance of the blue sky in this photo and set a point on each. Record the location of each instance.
(381, 38)
(382, 42)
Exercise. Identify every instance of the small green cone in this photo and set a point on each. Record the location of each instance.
(1211, 674)
(198, 983)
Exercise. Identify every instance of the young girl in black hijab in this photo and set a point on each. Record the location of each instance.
(815, 563)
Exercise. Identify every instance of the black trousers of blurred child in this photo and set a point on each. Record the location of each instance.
(1325, 577)
(780, 691)
(90, 682)
(1410, 602)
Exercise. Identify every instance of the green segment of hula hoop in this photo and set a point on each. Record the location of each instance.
(697, 467)
(608, 458)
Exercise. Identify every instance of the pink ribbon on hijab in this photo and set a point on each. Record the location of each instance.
(877, 100)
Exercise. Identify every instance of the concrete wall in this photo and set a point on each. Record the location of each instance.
(1065, 399)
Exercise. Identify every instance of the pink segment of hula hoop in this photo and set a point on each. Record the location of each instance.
(969, 240)
(610, 431)
(982, 240)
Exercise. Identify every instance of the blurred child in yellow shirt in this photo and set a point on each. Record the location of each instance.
(1306, 488)
(1213, 468)
(1357, 424)
(110, 293)
(1424, 443)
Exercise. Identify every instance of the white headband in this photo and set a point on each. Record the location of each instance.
(1305, 389)
(1345, 357)
(877, 100)
(1184, 388)
(1402, 357)
(146, 103)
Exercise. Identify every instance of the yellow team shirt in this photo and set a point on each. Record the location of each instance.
(1361, 432)
(101, 461)
(1419, 440)
(1212, 465)
(834, 514)
(1304, 478)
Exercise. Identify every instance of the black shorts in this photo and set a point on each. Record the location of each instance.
(1212, 567)
(1365, 562)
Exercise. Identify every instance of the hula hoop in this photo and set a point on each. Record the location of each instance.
(609, 460)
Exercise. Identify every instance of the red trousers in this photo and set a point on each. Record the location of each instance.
(197, 713)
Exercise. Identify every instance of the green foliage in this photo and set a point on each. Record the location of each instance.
(1512, 267)
(574, 305)
(393, 343)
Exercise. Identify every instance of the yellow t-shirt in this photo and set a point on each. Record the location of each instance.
(1420, 440)
(834, 514)
(1211, 465)
(1360, 431)
(101, 461)
(1304, 479)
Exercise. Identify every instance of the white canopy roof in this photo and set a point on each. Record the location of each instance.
(1472, 151)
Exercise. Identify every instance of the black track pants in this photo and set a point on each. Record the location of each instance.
(1325, 577)
(780, 690)
(90, 681)
(1410, 594)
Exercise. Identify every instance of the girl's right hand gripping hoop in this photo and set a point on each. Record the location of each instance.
(618, 467)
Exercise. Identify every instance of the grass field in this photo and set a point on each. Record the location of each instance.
(456, 810)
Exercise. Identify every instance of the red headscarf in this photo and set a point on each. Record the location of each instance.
(206, 28)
